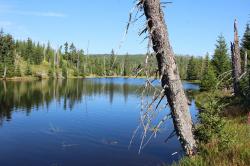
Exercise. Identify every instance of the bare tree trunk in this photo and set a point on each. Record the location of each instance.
(5, 72)
(236, 61)
(44, 53)
(170, 78)
(78, 64)
(104, 65)
(245, 62)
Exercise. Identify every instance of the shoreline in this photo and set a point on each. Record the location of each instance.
(33, 78)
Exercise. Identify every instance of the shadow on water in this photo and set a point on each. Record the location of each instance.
(79, 122)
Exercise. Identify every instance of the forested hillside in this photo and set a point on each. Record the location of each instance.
(29, 58)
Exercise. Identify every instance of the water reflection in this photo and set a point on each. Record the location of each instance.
(27, 95)
(78, 122)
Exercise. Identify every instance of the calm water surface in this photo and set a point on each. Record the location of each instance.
(85, 122)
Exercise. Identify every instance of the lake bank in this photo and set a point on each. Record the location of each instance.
(231, 146)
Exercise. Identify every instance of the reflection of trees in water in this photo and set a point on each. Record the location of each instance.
(29, 95)
(26, 96)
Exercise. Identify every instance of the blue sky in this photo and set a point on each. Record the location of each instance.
(193, 24)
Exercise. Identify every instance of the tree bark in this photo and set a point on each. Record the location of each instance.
(5, 72)
(236, 61)
(169, 73)
(245, 62)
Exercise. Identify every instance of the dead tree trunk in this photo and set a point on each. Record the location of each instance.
(169, 73)
(5, 72)
(236, 61)
(245, 62)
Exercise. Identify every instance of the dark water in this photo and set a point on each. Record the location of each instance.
(85, 122)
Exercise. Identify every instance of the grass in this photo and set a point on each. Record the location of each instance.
(235, 152)
(232, 148)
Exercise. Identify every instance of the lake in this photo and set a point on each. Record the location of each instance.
(79, 122)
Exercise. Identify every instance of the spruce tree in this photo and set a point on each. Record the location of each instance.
(28, 70)
(29, 51)
(245, 42)
(209, 79)
(221, 60)
(38, 54)
(125, 65)
(246, 38)
(192, 69)
(112, 62)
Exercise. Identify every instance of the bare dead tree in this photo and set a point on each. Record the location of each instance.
(169, 75)
(236, 60)
(5, 71)
(245, 62)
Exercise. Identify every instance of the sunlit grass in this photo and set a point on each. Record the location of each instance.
(232, 148)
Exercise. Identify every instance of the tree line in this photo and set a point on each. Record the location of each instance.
(17, 57)
(20, 57)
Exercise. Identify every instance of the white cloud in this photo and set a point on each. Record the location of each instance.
(5, 9)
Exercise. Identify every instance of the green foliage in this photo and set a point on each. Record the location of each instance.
(208, 79)
(245, 88)
(232, 148)
(75, 73)
(74, 59)
(246, 38)
(1, 69)
(10, 71)
(18, 71)
(64, 72)
(51, 73)
(194, 68)
(211, 123)
(111, 64)
(28, 70)
(182, 62)
(30, 51)
(7, 56)
(221, 60)
(125, 65)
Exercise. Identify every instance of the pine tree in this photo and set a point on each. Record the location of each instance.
(245, 82)
(38, 54)
(66, 51)
(245, 43)
(192, 69)
(246, 38)
(125, 65)
(209, 79)
(221, 60)
(28, 70)
(29, 51)
(112, 62)
(49, 53)
(73, 55)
